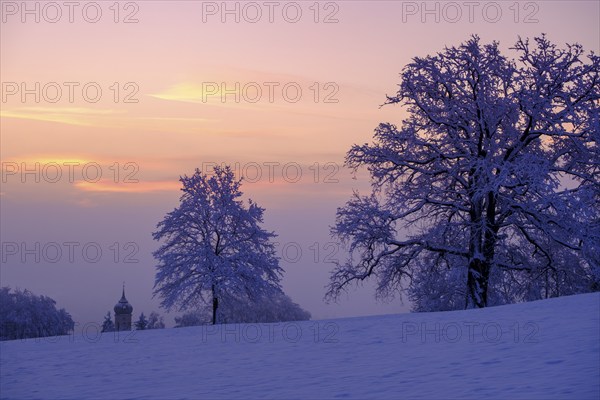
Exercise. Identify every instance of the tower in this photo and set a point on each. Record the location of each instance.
(123, 312)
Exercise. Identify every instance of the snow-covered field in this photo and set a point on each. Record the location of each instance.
(541, 350)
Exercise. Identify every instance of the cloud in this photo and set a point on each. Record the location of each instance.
(211, 94)
(84, 203)
(188, 92)
(109, 186)
(180, 119)
(79, 116)
(285, 94)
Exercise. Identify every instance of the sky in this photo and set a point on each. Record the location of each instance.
(105, 104)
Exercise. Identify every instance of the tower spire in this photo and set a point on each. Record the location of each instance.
(123, 311)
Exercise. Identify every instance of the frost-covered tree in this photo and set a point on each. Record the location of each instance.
(108, 325)
(142, 323)
(214, 246)
(489, 190)
(155, 321)
(25, 315)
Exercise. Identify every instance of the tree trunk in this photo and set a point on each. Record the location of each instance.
(483, 255)
(214, 311)
(475, 272)
(477, 282)
(215, 305)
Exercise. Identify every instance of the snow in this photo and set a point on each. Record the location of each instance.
(543, 350)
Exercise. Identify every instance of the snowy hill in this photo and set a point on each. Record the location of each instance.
(540, 350)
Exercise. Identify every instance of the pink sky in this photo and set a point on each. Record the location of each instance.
(171, 64)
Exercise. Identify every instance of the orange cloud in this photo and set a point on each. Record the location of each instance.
(189, 92)
(108, 186)
(211, 94)
(79, 116)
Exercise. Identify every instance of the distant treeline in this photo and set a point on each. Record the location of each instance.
(24, 315)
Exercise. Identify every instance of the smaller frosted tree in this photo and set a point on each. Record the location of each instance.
(141, 323)
(108, 325)
(24, 315)
(194, 317)
(213, 246)
(276, 308)
(155, 321)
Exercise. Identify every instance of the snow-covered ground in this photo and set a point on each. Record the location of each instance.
(541, 350)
